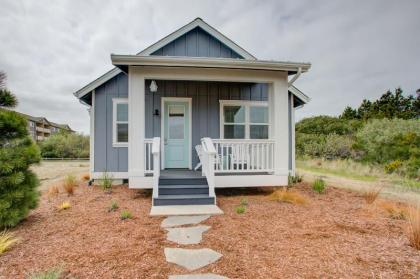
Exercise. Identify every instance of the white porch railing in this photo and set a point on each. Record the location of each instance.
(244, 155)
(148, 158)
(209, 157)
(156, 166)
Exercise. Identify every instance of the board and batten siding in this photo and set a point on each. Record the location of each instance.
(206, 98)
(197, 43)
(107, 157)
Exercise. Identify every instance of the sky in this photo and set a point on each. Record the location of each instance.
(358, 49)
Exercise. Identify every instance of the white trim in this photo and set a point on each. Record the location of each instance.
(92, 135)
(207, 62)
(224, 181)
(198, 22)
(247, 123)
(292, 121)
(97, 82)
(295, 91)
(115, 102)
(162, 128)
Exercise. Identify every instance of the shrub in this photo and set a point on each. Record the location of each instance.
(240, 209)
(287, 196)
(319, 185)
(393, 166)
(324, 125)
(106, 182)
(53, 191)
(7, 240)
(125, 214)
(394, 211)
(65, 145)
(114, 206)
(86, 177)
(65, 205)
(53, 273)
(69, 184)
(292, 180)
(337, 147)
(371, 195)
(18, 184)
(414, 227)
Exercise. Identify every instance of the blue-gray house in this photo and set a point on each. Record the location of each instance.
(193, 112)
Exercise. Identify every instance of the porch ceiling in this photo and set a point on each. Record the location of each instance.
(123, 61)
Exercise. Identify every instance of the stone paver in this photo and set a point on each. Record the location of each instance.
(174, 221)
(198, 276)
(188, 235)
(191, 259)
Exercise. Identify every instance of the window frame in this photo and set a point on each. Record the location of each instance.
(247, 105)
(115, 102)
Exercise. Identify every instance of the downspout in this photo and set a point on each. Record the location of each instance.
(295, 77)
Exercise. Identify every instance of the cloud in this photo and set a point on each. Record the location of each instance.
(49, 49)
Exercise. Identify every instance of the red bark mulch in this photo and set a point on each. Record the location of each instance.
(334, 235)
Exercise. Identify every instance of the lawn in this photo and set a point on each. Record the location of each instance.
(335, 234)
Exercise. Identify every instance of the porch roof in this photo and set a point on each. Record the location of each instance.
(123, 61)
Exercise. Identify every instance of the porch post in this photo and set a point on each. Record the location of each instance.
(136, 126)
(293, 143)
(280, 124)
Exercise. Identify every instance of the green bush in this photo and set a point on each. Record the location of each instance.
(337, 147)
(292, 180)
(385, 140)
(65, 145)
(125, 214)
(18, 193)
(240, 209)
(53, 273)
(325, 125)
(114, 206)
(319, 185)
(106, 182)
(393, 166)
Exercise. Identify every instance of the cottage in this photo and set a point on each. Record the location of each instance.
(191, 113)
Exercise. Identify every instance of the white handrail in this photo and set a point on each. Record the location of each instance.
(156, 165)
(148, 156)
(208, 164)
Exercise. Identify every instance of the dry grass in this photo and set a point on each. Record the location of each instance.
(65, 205)
(413, 231)
(7, 240)
(69, 184)
(370, 195)
(86, 177)
(394, 211)
(287, 196)
(53, 191)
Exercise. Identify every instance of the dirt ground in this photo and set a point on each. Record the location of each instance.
(51, 172)
(334, 235)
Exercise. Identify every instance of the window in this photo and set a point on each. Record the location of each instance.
(120, 122)
(244, 120)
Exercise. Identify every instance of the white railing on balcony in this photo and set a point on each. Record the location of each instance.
(156, 164)
(148, 158)
(209, 158)
(244, 155)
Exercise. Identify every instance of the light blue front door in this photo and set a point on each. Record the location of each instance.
(176, 134)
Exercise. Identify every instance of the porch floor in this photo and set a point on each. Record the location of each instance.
(186, 173)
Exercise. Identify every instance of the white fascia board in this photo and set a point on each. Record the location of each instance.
(198, 22)
(206, 62)
(97, 82)
(299, 94)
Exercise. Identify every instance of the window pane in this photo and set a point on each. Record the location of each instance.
(234, 114)
(122, 132)
(258, 114)
(122, 112)
(176, 127)
(176, 111)
(234, 131)
(258, 131)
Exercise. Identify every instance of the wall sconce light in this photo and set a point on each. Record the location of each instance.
(153, 86)
(156, 113)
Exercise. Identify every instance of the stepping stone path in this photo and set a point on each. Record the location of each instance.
(190, 235)
(191, 259)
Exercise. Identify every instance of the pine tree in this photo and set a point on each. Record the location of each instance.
(349, 113)
(18, 185)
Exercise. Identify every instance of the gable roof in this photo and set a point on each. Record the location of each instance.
(198, 22)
